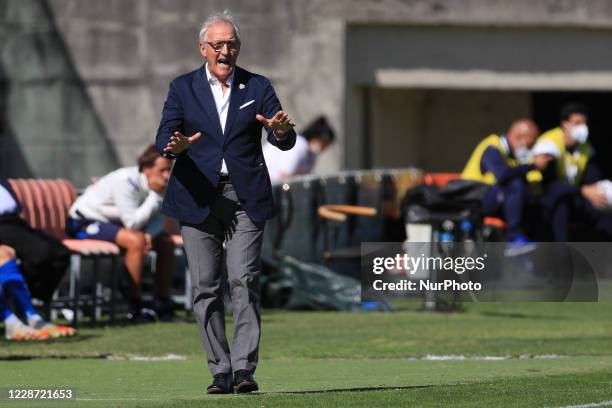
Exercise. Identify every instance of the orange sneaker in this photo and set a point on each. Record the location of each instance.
(52, 330)
(22, 332)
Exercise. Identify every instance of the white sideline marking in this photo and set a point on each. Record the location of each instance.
(167, 357)
(591, 405)
(428, 357)
(460, 357)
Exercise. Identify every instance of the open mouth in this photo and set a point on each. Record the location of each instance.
(224, 62)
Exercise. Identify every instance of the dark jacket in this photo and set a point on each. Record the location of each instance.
(190, 108)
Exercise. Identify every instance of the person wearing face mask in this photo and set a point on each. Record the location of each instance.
(316, 138)
(505, 163)
(573, 188)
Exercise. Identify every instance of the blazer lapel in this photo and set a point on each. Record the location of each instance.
(201, 89)
(239, 88)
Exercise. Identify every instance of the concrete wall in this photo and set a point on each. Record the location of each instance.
(482, 61)
(126, 52)
(48, 124)
(437, 129)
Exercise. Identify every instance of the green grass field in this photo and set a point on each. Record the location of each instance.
(546, 355)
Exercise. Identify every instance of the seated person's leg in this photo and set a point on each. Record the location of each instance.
(507, 201)
(135, 246)
(514, 201)
(44, 260)
(604, 225)
(165, 267)
(559, 218)
(131, 241)
(600, 220)
(14, 328)
(556, 207)
(12, 281)
(492, 202)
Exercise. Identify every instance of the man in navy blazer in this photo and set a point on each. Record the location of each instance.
(220, 192)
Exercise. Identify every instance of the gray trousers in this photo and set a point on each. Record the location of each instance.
(204, 248)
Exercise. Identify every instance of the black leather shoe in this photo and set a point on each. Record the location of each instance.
(244, 382)
(222, 384)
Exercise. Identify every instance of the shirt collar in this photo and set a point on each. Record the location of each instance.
(214, 81)
(505, 145)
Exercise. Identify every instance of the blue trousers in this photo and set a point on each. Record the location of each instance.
(562, 205)
(508, 201)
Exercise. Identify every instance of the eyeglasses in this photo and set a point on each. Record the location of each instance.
(232, 45)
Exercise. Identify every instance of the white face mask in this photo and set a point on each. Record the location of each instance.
(580, 133)
(522, 154)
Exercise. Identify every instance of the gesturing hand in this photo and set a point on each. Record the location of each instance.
(280, 123)
(179, 142)
(595, 195)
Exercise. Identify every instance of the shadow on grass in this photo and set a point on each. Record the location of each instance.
(28, 357)
(357, 389)
(12, 346)
(124, 322)
(522, 316)
(62, 340)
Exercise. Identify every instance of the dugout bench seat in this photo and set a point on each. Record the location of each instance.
(45, 204)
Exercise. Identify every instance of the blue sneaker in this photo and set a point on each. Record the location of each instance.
(520, 245)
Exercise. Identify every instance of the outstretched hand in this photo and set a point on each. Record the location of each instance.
(179, 142)
(280, 123)
(595, 195)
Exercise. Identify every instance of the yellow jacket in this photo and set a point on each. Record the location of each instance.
(472, 170)
(578, 160)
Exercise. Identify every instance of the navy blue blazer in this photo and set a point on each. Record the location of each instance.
(190, 108)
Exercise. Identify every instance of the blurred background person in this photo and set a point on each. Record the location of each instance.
(123, 207)
(504, 162)
(574, 187)
(14, 290)
(317, 137)
(44, 259)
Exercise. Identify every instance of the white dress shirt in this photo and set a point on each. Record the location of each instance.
(7, 202)
(221, 101)
(122, 196)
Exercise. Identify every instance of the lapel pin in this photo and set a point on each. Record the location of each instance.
(242, 86)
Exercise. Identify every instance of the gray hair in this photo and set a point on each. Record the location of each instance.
(226, 16)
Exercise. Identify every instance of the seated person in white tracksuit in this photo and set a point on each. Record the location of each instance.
(121, 207)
